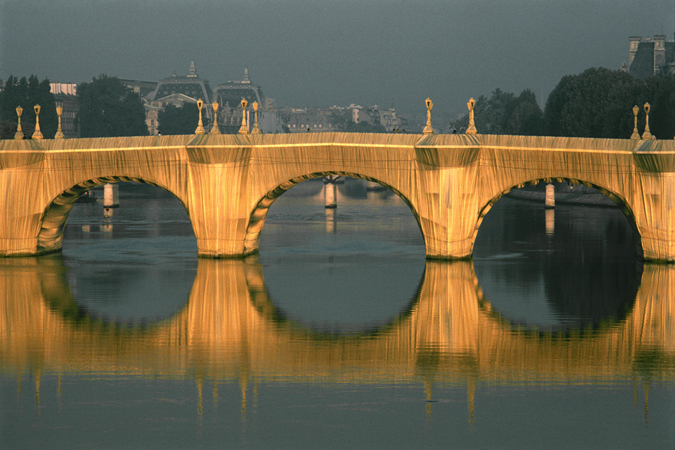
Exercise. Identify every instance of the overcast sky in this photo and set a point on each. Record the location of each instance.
(331, 52)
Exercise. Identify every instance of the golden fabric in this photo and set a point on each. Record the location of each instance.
(228, 182)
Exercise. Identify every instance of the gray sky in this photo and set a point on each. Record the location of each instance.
(326, 52)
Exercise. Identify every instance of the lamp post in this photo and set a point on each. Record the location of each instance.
(214, 128)
(37, 135)
(200, 125)
(256, 129)
(635, 134)
(429, 129)
(59, 131)
(244, 128)
(647, 135)
(472, 124)
(19, 131)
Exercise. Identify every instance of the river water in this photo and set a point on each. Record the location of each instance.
(338, 334)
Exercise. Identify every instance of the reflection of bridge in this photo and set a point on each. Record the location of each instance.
(228, 182)
(229, 330)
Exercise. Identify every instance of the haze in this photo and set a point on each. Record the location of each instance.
(323, 53)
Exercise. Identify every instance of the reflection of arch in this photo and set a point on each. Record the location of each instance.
(573, 265)
(228, 329)
(58, 296)
(620, 202)
(257, 218)
(268, 309)
(55, 215)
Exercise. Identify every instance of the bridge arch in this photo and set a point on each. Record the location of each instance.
(55, 214)
(259, 213)
(617, 198)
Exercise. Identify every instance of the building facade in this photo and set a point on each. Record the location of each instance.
(650, 56)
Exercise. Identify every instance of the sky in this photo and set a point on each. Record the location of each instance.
(331, 52)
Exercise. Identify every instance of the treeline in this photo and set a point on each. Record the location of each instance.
(107, 108)
(27, 93)
(597, 103)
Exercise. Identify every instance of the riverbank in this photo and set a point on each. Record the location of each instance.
(567, 198)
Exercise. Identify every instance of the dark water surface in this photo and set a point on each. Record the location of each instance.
(339, 334)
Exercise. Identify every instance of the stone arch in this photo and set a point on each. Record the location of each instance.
(259, 213)
(619, 200)
(55, 214)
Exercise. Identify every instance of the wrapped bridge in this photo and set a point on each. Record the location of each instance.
(228, 182)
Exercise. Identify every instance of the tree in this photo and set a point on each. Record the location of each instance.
(523, 116)
(596, 103)
(27, 94)
(364, 127)
(108, 108)
(504, 113)
(661, 97)
(179, 120)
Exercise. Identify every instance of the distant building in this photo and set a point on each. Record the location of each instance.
(65, 96)
(180, 89)
(650, 56)
(301, 120)
(175, 90)
(233, 92)
(229, 96)
(336, 118)
(143, 88)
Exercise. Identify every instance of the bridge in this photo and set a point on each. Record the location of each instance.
(228, 182)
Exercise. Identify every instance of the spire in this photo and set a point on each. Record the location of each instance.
(246, 79)
(193, 72)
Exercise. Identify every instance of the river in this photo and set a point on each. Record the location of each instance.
(339, 334)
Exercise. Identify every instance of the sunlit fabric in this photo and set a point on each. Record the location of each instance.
(228, 182)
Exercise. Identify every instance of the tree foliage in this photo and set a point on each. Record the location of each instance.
(504, 113)
(27, 93)
(179, 120)
(660, 93)
(343, 122)
(596, 103)
(108, 108)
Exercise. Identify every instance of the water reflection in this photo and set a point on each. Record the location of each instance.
(230, 328)
(586, 269)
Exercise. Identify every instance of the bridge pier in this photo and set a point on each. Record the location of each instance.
(447, 201)
(219, 209)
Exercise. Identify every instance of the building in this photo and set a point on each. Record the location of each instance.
(650, 56)
(337, 118)
(232, 92)
(181, 89)
(229, 96)
(315, 120)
